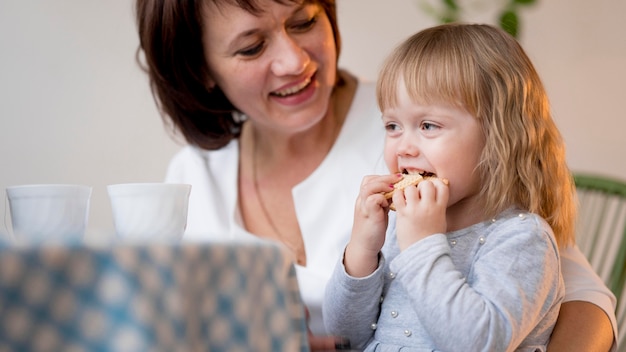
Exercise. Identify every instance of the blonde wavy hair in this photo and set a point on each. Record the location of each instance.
(484, 70)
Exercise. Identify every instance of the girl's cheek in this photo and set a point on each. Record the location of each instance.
(390, 159)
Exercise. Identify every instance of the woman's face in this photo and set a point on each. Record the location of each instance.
(278, 67)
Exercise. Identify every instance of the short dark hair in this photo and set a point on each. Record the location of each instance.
(170, 39)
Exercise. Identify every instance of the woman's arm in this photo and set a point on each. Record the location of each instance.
(587, 318)
(582, 326)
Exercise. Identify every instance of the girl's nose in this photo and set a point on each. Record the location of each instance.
(289, 57)
(407, 147)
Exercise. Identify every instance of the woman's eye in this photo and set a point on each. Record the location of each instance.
(305, 25)
(252, 50)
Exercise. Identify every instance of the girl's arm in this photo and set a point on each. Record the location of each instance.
(352, 297)
(351, 304)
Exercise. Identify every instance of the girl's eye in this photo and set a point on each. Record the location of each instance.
(252, 50)
(429, 126)
(392, 127)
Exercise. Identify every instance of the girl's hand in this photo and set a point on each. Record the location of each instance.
(325, 342)
(421, 211)
(370, 224)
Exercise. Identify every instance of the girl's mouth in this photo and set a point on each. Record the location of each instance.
(422, 173)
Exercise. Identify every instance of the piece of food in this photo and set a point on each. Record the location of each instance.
(406, 181)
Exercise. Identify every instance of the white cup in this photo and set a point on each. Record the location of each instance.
(149, 211)
(49, 212)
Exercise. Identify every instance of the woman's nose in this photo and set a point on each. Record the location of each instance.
(289, 57)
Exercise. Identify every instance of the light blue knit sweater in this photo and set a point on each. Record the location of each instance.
(494, 286)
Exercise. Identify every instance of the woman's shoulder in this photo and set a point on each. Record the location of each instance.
(191, 160)
(364, 89)
(190, 153)
(364, 106)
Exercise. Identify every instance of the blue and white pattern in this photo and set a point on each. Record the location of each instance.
(210, 297)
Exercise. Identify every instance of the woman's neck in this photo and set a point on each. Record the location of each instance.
(271, 163)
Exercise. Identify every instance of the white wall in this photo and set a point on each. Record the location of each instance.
(75, 108)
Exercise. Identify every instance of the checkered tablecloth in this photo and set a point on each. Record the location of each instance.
(214, 297)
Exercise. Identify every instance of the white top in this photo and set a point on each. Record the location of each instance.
(325, 205)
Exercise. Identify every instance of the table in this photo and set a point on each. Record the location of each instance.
(191, 297)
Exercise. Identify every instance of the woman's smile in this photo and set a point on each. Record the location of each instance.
(293, 89)
(297, 94)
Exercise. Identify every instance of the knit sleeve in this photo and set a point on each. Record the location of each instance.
(509, 298)
(351, 305)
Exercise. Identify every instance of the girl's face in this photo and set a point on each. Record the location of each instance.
(438, 138)
(277, 67)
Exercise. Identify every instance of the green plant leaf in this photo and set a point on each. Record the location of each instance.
(524, 2)
(509, 22)
(447, 19)
(451, 4)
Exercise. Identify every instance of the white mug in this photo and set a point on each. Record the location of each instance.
(49, 212)
(149, 211)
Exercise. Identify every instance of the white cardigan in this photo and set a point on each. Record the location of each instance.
(324, 205)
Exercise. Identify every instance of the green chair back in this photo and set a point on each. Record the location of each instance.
(601, 234)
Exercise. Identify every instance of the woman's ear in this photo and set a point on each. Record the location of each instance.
(210, 84)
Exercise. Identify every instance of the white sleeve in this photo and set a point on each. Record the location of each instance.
(177, 169)
(213, 198)
(583, 284)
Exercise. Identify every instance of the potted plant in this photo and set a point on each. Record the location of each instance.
(452, 11)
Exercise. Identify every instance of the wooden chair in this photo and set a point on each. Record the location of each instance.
(601, 235)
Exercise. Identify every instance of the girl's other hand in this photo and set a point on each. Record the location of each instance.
(325, 343)
(421, 211)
